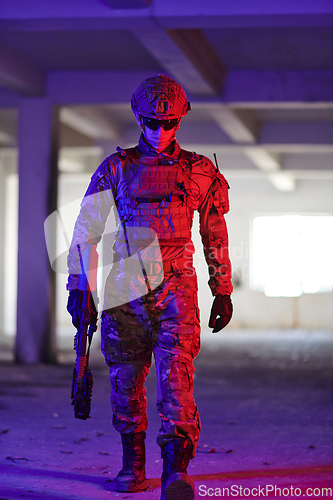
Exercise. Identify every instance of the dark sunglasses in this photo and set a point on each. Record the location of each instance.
(154, 124)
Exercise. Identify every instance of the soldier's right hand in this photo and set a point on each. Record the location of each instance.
(74, 305)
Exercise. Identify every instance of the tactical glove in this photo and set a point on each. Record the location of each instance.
(222, 307)
(74, 305)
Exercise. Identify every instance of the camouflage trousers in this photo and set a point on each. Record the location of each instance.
(165, 323)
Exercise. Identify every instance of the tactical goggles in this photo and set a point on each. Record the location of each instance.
(154, 124)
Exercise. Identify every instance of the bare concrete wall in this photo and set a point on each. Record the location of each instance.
(253, 309)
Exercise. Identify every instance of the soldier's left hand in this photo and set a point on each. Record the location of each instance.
(221, 312)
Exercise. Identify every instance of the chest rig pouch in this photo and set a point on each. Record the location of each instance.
(156, 198)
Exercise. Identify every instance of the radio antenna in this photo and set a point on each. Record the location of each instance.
(217, 166)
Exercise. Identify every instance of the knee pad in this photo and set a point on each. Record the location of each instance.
(127, 378)
(176, 375)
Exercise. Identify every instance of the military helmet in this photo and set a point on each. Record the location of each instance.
(161, 98)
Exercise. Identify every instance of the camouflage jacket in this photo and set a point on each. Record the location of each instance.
(159, 192)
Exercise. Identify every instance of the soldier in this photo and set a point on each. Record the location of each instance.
(156, 187)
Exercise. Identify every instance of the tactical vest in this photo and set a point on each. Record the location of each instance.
(156, 197)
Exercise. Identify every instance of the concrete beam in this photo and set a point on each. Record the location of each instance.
(198, 50)
(176, 11)
(262, 158)
(19, 74)
(274, 137)
(231, 149)
(89, 121)
(83, 87)
(289, 105)
(292, 132)
(242, 88)
(283, 181)
(299, 148)
(179, 54)
(8, 99)
(33, 14)
(305, 86)
(128, 4)
(238, 125)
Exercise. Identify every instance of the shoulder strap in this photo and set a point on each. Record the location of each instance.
(131, 153)
(189, 155)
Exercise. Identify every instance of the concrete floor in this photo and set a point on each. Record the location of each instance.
(266, 404)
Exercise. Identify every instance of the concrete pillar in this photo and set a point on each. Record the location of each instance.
(37, 167)
(2, 236)
(8, 247)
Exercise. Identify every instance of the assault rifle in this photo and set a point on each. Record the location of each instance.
(82, 376)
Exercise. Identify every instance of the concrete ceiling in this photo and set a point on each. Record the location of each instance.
(261, 48)
(259, 76)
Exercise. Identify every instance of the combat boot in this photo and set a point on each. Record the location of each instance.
(176, 484)
(133, 474)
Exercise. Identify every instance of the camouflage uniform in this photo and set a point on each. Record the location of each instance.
(158, 192)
